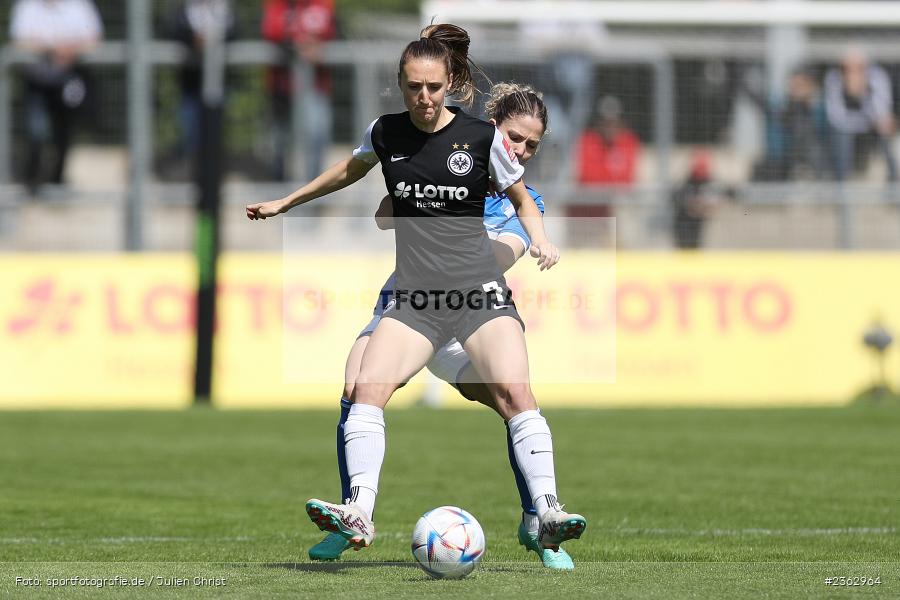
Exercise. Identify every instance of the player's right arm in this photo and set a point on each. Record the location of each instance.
(336, 177)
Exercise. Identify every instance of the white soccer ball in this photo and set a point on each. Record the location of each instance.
(448, 542)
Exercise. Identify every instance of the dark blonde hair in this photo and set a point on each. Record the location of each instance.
(450, 45)
(507, 100)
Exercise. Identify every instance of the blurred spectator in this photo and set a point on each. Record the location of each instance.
(300, 27)
(192, 23)
(59, 32)
(605, 161)
(567, 73)
(805, 126)
(796, 131)
(859, 102)
(693, 203)
(608, 151)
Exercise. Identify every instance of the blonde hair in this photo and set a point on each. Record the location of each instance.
(508, 99)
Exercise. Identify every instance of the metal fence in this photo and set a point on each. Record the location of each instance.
(656, 74)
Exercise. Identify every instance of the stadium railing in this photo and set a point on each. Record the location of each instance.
(826, 214)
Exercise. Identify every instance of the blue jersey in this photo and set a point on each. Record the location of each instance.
(499, 220)
(500, 216)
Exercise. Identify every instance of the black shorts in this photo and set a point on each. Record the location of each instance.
(443, 314)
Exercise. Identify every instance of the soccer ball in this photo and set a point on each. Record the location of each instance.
(448, 542)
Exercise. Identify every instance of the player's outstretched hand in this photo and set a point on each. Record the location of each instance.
(546, 253)
(264, 210)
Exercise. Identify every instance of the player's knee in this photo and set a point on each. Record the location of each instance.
(514, 398)
(368, 391)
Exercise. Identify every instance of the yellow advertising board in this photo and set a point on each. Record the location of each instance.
(731, 329)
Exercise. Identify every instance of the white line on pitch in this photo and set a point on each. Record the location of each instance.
(120, 540)
(402, 535)
(753, 531)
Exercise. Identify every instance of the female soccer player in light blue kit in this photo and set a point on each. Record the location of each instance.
(521, 116)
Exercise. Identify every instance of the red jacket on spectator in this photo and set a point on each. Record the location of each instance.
(607, 162)
(290, 22)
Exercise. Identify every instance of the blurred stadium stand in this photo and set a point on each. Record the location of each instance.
(682, 86)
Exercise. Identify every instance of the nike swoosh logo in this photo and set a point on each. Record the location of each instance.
(542, 451)
(395, 158)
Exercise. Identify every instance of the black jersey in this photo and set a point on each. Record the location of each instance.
(438, 182)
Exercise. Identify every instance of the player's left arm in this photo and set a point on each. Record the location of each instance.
(530, 217)
(506, 173)
(512, 241)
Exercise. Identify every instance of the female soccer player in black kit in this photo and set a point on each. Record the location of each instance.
(437, 163)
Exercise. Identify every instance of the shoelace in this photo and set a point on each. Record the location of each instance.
(559, 508)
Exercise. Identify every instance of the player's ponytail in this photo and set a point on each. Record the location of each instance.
(449, 44)
(507, 100)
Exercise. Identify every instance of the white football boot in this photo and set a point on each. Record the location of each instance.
(557, 526)
(347, 520)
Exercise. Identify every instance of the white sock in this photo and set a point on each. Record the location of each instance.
(364, 447)
(531, 522)
(544, 503)
(533, 447)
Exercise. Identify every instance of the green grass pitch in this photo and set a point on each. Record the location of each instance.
(680, 503)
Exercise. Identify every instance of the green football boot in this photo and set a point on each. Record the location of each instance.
(329, 548)
(347, 520)
(559, 560)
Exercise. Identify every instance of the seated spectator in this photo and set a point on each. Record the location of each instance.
(859, 102)
(608, 151)
(59, 32)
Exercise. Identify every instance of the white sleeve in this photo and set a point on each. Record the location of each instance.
(504, 167)
(366, 152)
(18, 25)
(93, 23)
(882, 101)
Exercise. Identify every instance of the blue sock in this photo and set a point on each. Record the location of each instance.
(524, 496)
(341, 450)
